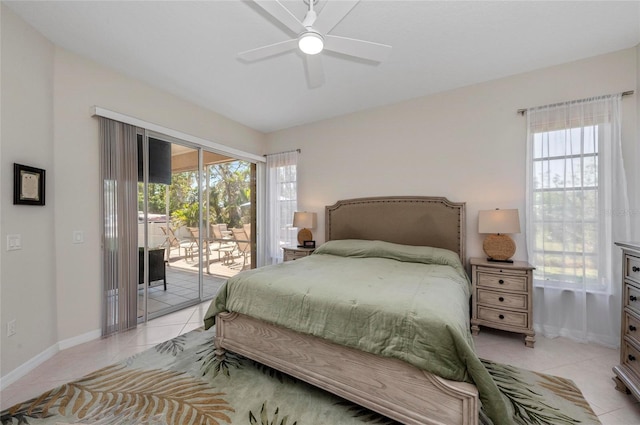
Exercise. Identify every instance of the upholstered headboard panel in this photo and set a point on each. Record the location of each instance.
(409, 220)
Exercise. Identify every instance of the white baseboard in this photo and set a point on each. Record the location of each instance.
(27, 366)
(36, 361)
(80, 339)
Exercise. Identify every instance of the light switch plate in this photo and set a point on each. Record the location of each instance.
(14, 242)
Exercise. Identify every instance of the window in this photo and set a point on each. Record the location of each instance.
(573, 191)
(282, 202)
(564, 221)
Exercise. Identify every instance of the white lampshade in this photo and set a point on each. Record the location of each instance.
(304, 220)
(311, 43)
(499, 221)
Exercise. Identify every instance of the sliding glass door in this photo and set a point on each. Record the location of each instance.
(196, 223)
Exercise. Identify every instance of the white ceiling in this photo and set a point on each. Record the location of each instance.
(189, 48)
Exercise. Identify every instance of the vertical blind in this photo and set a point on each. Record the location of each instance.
(119, 174)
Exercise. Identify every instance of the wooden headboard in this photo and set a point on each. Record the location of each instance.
(408, 220)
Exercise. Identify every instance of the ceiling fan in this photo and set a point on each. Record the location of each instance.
(313, 37)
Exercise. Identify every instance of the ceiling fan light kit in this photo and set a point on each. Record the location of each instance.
(311, 43)
(312, 37)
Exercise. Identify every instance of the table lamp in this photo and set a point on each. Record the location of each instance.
(497, 223)
(304, 221)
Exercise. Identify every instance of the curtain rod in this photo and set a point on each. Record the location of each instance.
(276, 153)
(624, 93)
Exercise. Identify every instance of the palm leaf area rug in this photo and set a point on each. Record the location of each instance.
(182, 382)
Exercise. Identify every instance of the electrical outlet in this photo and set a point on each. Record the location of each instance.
(78, 236)
(11, 327)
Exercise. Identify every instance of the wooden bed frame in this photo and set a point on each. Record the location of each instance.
(388, 386)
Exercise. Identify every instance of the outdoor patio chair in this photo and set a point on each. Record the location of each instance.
(222, 242)
(194, 237)
(173, 242)
(243, 245)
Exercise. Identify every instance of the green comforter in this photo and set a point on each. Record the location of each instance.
(406, 302)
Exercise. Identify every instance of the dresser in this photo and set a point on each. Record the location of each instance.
(502, 297)
(627, 373)
(293, 253)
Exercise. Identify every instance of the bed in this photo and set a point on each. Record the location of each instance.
(434, 378)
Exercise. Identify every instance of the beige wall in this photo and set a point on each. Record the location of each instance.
(52, 286)
(27, 276)
(466, 144)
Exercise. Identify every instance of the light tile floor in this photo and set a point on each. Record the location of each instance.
(588, 365)
(82, 359)
(182, 287)
(182, 284)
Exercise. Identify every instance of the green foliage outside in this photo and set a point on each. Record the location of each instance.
(229, 195)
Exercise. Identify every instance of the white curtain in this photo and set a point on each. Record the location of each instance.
(282, 202)
(577, 207)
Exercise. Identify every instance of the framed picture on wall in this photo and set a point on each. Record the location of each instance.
(28, 185)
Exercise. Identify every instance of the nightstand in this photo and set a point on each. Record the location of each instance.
(503, 297)
(293, 252)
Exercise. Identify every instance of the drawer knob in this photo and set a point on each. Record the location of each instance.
(501, 281)
(631, 358)
(635, 269)
(501, 299)
(501, 316)
(632, 328)
(633, 298)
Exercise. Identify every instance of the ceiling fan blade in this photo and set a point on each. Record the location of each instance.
(332, 14)
(270, 50)
(359, 48)
(315, 72)
(282, 14)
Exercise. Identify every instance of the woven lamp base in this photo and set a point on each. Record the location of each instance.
(304, 235)
(499, 247)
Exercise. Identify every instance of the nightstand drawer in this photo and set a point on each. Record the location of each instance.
(502, 317)
(294, 255)
(632, 298)
(631, 327)
(631, 357)
(500, 299)
(504, 282)
(632, 268)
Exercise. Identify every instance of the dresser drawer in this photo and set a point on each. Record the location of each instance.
(504, 282)
(632, 298)
(500, 299)
(631, 357)
(502, 317)
(631, 327)
(632, 268)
